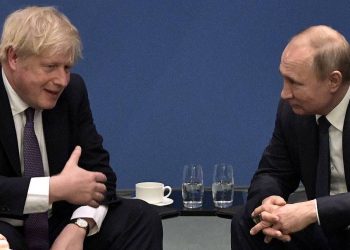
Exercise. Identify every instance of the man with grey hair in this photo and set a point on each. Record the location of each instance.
(310, 144)
(57, 189)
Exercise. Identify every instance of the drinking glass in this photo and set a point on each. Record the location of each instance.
(192, 186)
(222, 187)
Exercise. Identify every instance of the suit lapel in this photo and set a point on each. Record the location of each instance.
(56, 129)
(8, 135)
(346, 147)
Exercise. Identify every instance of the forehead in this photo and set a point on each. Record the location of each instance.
(296, 57)
(47, 58)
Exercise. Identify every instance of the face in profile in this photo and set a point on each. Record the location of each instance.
(40, 80)
(302, 89)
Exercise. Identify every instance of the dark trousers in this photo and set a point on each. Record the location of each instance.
(310, 238)
(130, 225)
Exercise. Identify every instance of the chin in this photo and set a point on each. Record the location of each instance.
(299, 111)
(47, 105)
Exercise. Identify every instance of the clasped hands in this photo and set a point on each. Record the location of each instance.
(279, 220)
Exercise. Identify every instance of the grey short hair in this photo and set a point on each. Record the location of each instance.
(331, 51)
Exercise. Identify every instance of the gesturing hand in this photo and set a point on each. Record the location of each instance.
(77, 185)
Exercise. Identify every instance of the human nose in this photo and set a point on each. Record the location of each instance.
(62, 77)
(286, 92)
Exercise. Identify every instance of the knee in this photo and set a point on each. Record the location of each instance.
(236, 224)
(141, 211)
(240, 226)
(239, 221)
(148, 212)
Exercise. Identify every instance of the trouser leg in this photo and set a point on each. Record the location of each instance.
(130, 224)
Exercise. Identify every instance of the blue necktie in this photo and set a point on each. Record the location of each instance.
(36, 225)
(323, 166)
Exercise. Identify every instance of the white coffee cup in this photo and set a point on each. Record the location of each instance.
(152, 192)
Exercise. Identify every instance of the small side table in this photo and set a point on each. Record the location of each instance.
(208, 208)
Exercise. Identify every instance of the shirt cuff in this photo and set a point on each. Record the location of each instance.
(318, 218)
(97, 214)
(37, 200)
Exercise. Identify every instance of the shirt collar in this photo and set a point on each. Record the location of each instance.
(16, 103)
(337, 116)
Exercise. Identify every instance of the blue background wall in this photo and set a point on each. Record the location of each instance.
(182, 81)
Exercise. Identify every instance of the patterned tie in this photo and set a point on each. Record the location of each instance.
(322, 179)
(36, 225)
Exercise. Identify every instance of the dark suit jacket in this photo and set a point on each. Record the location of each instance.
(69, 124)
(292, 156)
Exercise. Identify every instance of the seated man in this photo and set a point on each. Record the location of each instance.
(310, 144)
(57, 189)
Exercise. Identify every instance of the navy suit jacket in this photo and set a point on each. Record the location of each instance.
(291, 157)
(67, 125)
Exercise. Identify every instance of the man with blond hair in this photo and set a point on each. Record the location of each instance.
(57, 189)
(310, 144)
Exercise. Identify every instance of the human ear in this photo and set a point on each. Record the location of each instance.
(12, 58)
(335, 80)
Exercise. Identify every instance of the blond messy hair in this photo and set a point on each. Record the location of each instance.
(35, 31)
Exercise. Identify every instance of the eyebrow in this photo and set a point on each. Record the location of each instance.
(287, 77)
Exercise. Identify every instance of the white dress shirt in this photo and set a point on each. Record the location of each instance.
(336, 118)
(37, 200)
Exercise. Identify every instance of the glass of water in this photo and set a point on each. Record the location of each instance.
(192, 186)
(222, 187)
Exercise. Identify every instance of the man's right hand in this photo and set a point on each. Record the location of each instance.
(77, 185)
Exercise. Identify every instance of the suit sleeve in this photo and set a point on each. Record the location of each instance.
(277, 173)
(94, 157)
(13, 193)
(334, 212)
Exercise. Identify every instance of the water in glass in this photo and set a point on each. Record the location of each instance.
(222, 187)
(192, 186)
(192, 194)
(222, 194)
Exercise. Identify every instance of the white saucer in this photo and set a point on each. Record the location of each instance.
(165, 202)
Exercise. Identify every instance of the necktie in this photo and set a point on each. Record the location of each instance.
(36, 225)
(323, 166)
